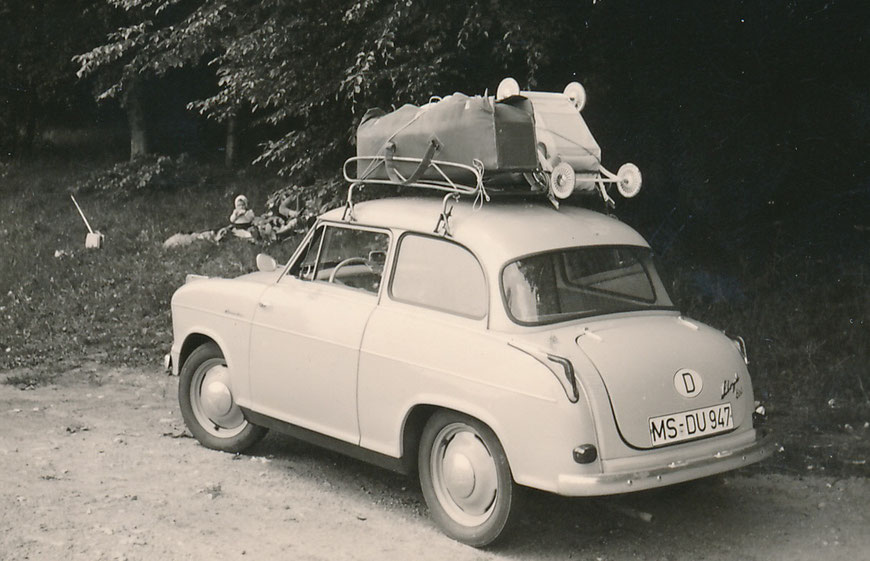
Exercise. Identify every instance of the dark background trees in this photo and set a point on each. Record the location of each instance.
(38, 86)
(745, 116)
(748, 119)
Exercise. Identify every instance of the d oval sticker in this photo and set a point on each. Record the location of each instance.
(688, 383)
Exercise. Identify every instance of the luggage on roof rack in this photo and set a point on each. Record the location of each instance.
(457, 129)
(516, 141)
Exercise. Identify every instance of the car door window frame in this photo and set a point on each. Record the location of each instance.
(314, 237)
(299, 252)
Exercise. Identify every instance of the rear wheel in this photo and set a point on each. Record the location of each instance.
(466, 479)
(207, 405)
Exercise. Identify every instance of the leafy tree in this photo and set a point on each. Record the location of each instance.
(712, 100)
(307, 69)
(125, 66)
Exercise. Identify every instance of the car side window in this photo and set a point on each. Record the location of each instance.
(349, 257)
(439, 274)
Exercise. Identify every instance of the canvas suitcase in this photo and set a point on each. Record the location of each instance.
(458, 128)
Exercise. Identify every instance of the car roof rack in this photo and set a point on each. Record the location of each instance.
(438, 174)
(441, 175)
(378, 171)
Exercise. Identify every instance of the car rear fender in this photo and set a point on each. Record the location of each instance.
(538, 436)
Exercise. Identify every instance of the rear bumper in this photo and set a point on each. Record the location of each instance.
(665, 468)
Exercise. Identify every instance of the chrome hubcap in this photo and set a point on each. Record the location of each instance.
(458, 476)
(464, 475)
(213, 403)
(216, 399)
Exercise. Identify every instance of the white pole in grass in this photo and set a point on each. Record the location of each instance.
(93, 239)
(91, 230)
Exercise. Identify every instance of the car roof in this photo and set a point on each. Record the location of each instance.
(498, 230)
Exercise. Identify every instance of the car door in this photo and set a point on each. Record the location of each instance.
(426, 340)
(307, 330)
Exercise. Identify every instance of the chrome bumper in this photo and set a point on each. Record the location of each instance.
(675, 471)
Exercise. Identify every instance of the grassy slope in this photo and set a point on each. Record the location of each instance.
(114, 302)
(804, 321)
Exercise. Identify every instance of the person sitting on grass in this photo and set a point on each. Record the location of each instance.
(280, 220)
(242, 218)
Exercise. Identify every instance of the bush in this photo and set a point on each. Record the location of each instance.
(149, 173)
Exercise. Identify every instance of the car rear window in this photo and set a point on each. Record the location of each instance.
(582, 281)
(439, 274)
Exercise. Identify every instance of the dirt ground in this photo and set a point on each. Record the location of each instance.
(99, 466)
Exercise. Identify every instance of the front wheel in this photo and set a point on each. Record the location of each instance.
(466, 479)
(207, 405)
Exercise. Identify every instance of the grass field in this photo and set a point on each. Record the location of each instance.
(804, 319)
(62, 302)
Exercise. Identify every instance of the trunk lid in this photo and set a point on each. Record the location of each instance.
(655, 365)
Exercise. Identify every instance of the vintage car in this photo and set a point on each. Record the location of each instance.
(486, 348)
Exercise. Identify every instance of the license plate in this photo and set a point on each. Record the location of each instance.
(696, 423)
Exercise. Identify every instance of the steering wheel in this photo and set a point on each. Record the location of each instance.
(348, 261)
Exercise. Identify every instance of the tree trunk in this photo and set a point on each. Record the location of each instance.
(136, 119)
(231, 153)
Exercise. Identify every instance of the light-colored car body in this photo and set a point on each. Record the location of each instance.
(364, 368)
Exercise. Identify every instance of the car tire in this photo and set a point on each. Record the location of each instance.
(466, 479)
(207, 405)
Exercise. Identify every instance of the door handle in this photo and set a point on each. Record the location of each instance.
(264, 304)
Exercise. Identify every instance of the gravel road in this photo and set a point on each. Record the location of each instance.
(99, 466)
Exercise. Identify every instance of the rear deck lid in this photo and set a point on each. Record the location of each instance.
(669, 379)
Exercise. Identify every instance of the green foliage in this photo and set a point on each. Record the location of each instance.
(310, 69)
(146, 173)
(729, 101)
(712, 102)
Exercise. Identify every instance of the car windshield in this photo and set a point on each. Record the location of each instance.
(582, 281)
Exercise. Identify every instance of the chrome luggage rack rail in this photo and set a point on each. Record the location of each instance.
(555, 182)
(394, 178)
(440, 167)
